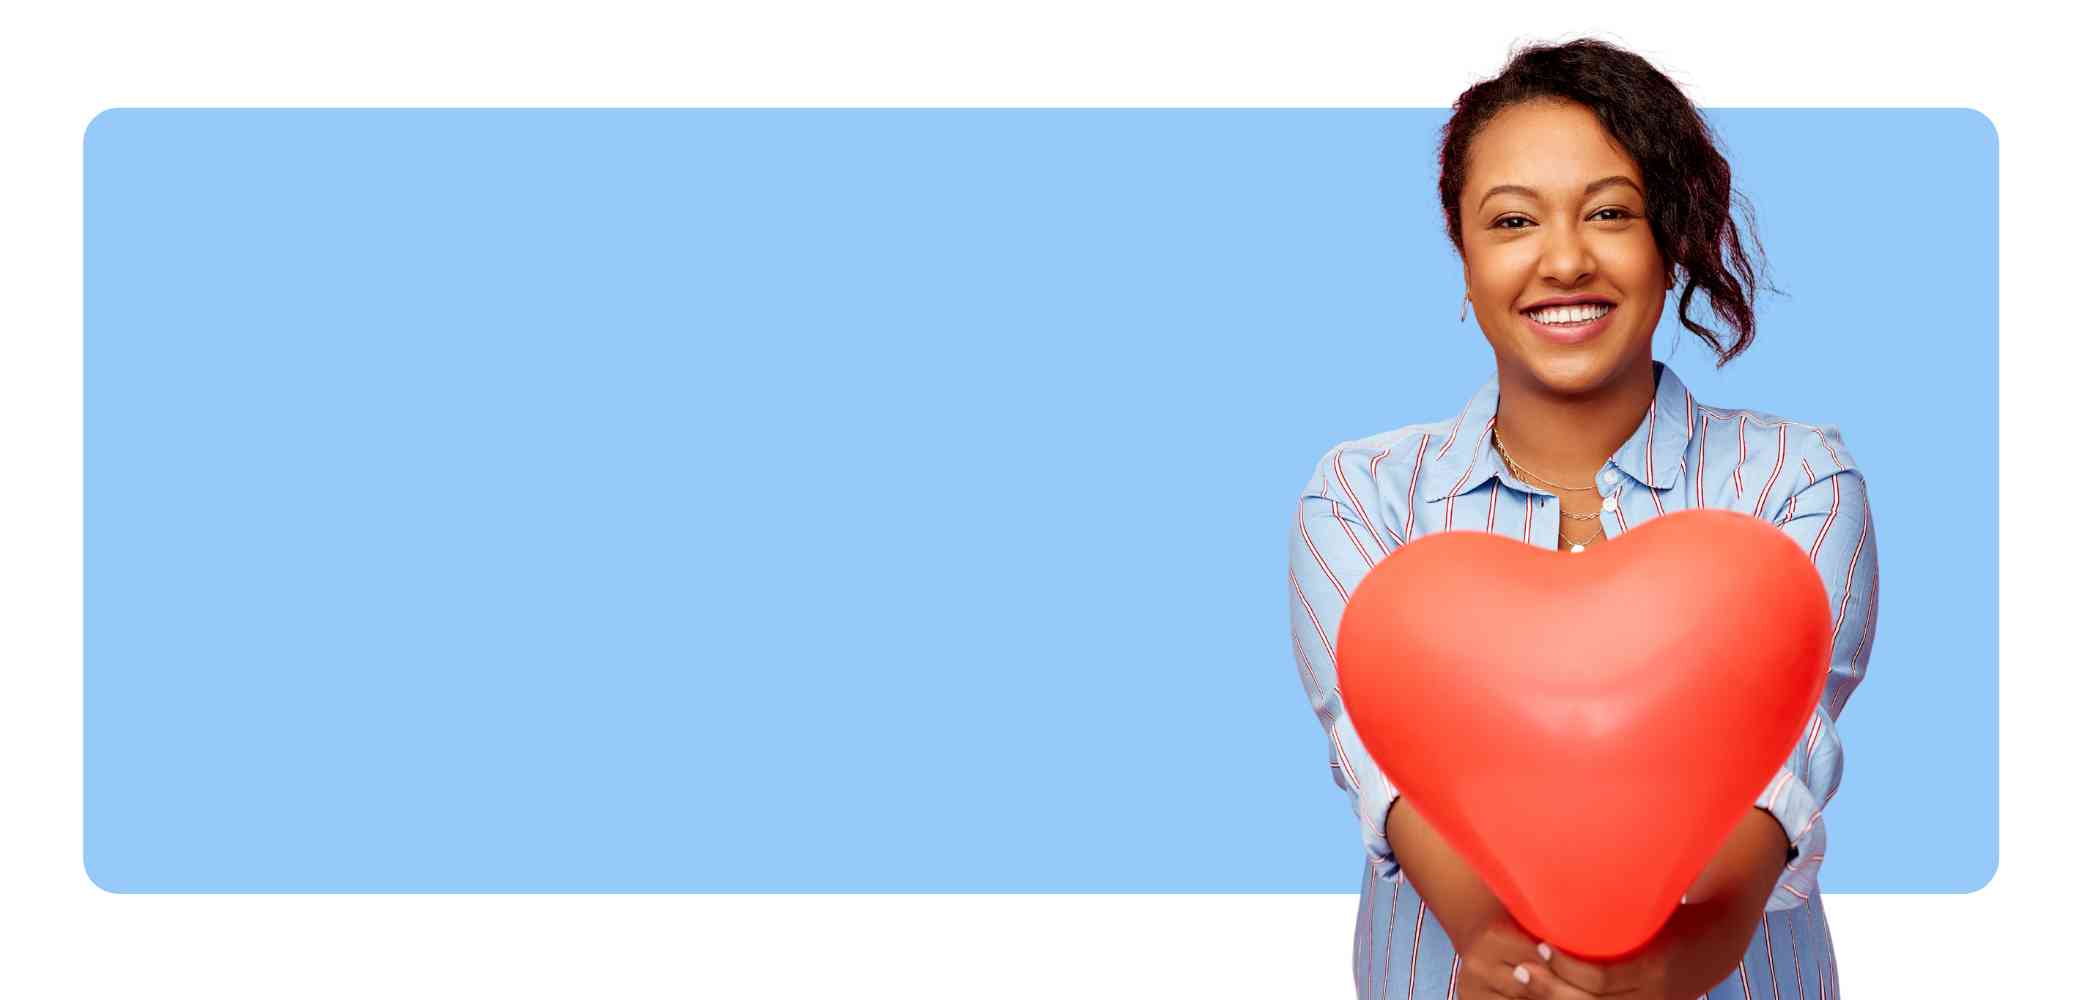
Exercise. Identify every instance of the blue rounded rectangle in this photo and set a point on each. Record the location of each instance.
(875, 500)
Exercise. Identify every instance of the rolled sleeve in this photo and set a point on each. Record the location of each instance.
(1332, 548)
(1830, 519)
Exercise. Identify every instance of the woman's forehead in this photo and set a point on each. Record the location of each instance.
(1557, 151)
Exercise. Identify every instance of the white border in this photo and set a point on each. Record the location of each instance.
(62, 937)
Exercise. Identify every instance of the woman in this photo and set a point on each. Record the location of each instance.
(1578, 185)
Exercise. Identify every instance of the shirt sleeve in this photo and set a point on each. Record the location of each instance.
(1332, 548)
(1830, 519)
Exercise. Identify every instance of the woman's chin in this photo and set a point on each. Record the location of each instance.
(1574, 372)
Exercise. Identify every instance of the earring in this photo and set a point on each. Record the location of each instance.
(1462, 308)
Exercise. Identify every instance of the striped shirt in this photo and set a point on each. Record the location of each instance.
(1369, 496)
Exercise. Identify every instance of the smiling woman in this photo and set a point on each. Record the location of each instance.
(1580, 186)
(1588, 132)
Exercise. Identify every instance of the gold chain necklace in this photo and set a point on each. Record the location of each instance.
(1573, 545)
(1522, 471)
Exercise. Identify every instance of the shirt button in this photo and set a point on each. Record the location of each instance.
(1611, 504)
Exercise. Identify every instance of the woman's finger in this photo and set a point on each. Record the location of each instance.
(1539, 983)
(1487, 979)
(1588, 977)
(1473, 989)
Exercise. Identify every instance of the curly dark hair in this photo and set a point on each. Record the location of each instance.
(1687, 180)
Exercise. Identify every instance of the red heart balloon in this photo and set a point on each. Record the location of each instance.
(1587, 728)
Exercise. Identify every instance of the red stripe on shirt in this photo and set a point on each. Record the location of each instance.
(1742, 447)
(1834, 459)
(1455, 425)
(1451, 509)
(1778, 461)
(1355, 502)
(1350, 530)
(1836, 497)
(1771, 963)
(1415, 958)
(1654, 411)
(1845, 602)
(1794, 943)
(1705, 432)
(1414, 480)
(1392, 911)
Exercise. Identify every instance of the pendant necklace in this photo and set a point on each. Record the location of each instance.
(1573, 545)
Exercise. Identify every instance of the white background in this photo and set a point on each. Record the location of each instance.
(2023, 935)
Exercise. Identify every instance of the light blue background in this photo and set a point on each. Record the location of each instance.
(878, 499)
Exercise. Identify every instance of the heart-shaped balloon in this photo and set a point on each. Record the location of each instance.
(1587, 728)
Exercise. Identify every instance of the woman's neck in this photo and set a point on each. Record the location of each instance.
(1568, 438)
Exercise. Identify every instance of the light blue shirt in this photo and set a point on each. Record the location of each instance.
(1369, 496)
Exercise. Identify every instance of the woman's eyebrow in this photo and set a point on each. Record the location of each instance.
(1594, 186)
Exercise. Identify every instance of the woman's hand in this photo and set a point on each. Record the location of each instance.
(1658, 971)
(1705, 938)
(1501, 961)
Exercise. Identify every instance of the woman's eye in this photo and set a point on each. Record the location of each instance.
(1619, 215)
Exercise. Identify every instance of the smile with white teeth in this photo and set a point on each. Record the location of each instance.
(1569, 315)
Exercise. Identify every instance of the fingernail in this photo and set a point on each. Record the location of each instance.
(1523, 975)
(1545, 951)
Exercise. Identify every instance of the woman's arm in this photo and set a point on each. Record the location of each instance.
(1712, 931)
(1828, 516)
(1461, 900)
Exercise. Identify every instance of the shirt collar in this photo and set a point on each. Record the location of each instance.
(1654, 455)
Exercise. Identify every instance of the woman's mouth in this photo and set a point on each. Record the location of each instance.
(1577, 322)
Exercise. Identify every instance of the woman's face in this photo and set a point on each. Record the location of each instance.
(1563, 237)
